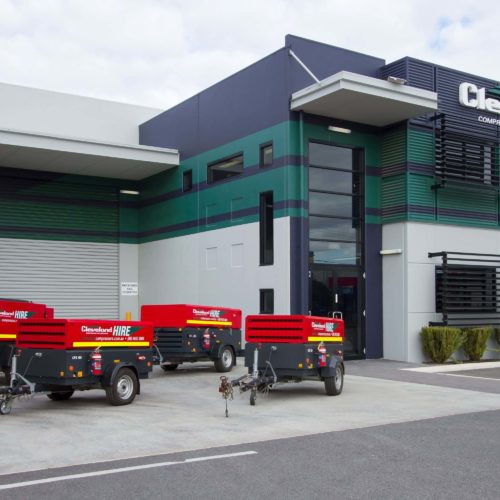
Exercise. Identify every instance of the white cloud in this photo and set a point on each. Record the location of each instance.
(159, 52)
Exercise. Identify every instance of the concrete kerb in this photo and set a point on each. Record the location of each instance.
(456, 367)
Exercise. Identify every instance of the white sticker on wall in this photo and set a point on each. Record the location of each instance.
(129, 288)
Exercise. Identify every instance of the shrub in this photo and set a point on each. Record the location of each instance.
(496, 331)
(475, 340)
(440, 342)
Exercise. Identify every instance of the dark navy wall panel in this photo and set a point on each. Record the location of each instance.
(299, 265)
(176, 128)
(246, 102)
(397, 68)
(421, 74)
(325, 60)
(253, 99)
(373, 291)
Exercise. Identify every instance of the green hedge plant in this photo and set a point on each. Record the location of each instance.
(496, 331)
(440, 342)
(475, 340)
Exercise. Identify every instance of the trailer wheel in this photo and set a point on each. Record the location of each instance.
(60, 396)
(169, 368)
(334, 385)
(5, 407)
(123, 388)
(226, 361)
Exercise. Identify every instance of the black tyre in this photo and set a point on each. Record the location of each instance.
(5, 407)
(123, 389)
(169, 368)
(226, 361)
(334, 385)
(60, 396)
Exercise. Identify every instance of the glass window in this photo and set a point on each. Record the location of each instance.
(225, 169)
(323, 155)
(333, 252)
(330, 180)
(328, 228)
(267, 301)
(335, 205)
(266, 229)
(266, 155)
(187, 180)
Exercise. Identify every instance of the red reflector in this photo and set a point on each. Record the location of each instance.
(140, 357)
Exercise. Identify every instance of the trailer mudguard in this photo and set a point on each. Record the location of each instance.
(329, 371)
(111, 373)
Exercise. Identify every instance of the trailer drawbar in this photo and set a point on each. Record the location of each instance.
(60, 356)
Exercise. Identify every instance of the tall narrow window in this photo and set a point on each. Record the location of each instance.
(187, 180)
(266, 301)
(266, 155)
(266, 229)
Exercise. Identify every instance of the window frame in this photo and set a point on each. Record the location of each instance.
(211, 167)
(188, 174)
(262, 300)
(266, 229)
(262, 147)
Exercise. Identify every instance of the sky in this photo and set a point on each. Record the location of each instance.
(158, 53)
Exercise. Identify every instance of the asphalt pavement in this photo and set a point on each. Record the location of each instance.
(397, 431)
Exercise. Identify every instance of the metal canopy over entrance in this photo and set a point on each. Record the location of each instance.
(363, 99)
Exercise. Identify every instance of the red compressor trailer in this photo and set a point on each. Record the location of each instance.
(11, 311)
(190, 333)
(282, 348)
(58, 357)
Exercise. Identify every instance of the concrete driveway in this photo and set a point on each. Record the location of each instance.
(182, 410)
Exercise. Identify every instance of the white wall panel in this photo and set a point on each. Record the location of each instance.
(176, 271)
(406, 312)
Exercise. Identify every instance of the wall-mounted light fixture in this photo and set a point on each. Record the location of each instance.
(396, 79)
(392, 251)
(129, 191)
(340, 130)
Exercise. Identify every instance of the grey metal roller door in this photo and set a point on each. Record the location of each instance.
(78, 279)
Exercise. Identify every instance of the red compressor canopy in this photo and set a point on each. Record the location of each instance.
(11, 311)
(191, 316)
(293, 329)
(83, 334)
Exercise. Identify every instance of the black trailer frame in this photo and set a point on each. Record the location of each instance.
(58, 373)
(273, 363)
(175, 346)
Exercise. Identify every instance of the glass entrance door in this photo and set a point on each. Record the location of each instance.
(340, 288)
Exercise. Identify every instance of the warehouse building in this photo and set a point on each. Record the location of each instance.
(315, 180)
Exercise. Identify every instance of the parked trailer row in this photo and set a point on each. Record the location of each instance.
(42, 354)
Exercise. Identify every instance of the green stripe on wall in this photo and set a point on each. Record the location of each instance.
(421, 147)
